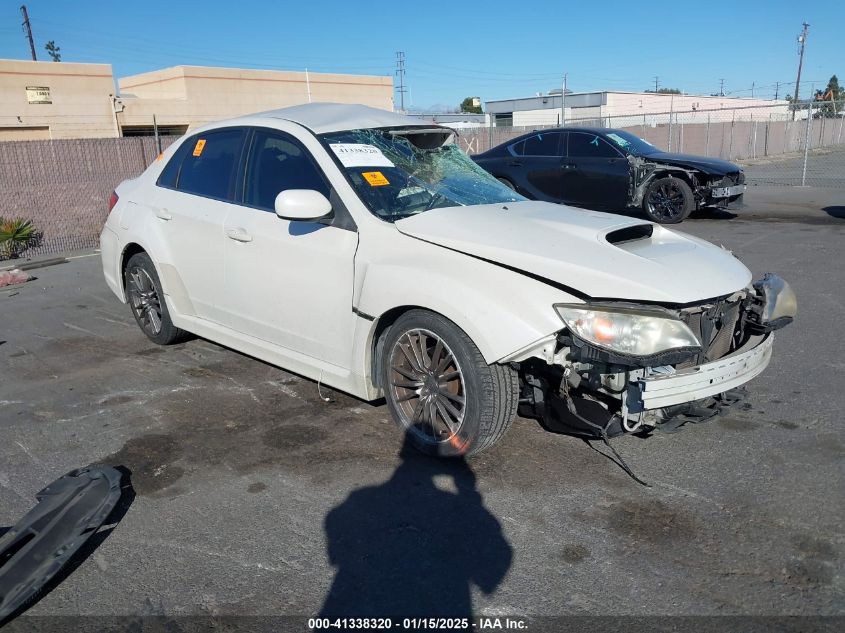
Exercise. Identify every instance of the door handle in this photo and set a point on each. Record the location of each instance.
(514, 163)
(238, 234)
(163, 214)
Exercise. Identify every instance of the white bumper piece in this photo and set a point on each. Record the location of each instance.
(695, 383)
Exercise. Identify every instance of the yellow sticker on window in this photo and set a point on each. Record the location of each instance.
(199, 147)
(375, 178)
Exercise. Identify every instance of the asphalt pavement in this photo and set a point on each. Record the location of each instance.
(257, 496)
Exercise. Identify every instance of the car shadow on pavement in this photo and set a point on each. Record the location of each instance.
(415, 544)
(835, 212)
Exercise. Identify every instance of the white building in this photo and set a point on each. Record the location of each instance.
(626, 109)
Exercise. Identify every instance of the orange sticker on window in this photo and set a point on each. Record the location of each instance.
(199, 147)
(375, 178)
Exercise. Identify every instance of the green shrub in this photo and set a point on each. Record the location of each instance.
(17, 235)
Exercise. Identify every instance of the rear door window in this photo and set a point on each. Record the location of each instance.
(209, 164)
(543, 144)
(585, 145)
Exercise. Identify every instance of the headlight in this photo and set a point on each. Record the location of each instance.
(779, 301)
(634, 332)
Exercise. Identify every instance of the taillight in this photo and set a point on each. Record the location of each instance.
(112, 200)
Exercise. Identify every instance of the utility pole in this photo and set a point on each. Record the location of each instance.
(563, 102)
(721, 87)
(656, 82)
(802, 40)
(28, 32)
(777, 89)
(400, 72)
(752, 89)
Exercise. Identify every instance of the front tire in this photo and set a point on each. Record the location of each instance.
(668, 201)
(146, 299)
(440, 390)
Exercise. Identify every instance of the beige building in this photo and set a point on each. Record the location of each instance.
(187, 96)
(44, 100)
(48, 100)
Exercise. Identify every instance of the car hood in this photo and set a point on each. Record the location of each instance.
(712, 166)
(573, 248)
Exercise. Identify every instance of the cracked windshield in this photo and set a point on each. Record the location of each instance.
(402, 173)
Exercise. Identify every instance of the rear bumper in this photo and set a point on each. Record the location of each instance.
(703, 381)
(110, 252)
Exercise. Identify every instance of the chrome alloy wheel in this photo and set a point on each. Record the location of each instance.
(144, 299)
(427, 385)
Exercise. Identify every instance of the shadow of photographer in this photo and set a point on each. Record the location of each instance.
(415, 545)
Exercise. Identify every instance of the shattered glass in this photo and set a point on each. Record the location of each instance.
(426, 172)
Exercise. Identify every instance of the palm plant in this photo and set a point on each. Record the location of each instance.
(17, 235)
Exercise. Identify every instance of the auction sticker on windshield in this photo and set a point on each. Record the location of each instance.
(360, 155)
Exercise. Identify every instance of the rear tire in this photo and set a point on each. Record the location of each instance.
(146, 300)
(439, 389)
(507, 183)
(668, 200)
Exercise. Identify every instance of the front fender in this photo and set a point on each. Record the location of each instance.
(501, 310)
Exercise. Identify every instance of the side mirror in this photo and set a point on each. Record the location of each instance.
(302, 204)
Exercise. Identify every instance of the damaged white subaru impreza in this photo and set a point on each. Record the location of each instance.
(363, 249)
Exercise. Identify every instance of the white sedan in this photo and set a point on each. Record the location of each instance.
(363, 249)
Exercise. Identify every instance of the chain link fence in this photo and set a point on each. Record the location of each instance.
(63, 186)
(799, 144)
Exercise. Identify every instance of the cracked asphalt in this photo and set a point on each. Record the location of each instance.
(256, 496)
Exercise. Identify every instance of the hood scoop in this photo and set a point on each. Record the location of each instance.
(630, 233)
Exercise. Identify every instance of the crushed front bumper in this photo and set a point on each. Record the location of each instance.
(709, 379)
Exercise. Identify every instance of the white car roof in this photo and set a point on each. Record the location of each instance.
(336, 117)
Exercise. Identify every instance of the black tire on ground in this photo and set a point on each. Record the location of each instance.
(668, 200)
(439, 389)
(146, 300)
(507, 183)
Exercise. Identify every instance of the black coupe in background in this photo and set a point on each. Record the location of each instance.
(611, 170)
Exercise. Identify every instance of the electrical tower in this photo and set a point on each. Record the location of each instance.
(28, 31)
(802, 40)
(400, 74)
(656, 83)
(721, 87)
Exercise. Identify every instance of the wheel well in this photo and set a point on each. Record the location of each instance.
(128, 252)
(382, 326)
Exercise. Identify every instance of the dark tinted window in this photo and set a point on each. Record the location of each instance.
(584, 145)
(518, 148)
(170, 173)
(278, 162)
(211, 163)
(543, 144)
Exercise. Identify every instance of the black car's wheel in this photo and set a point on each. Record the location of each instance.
(668, 200)
(440, 390)
(143, 289)
(507, 183)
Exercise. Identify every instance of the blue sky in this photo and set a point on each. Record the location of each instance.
(455, 49)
